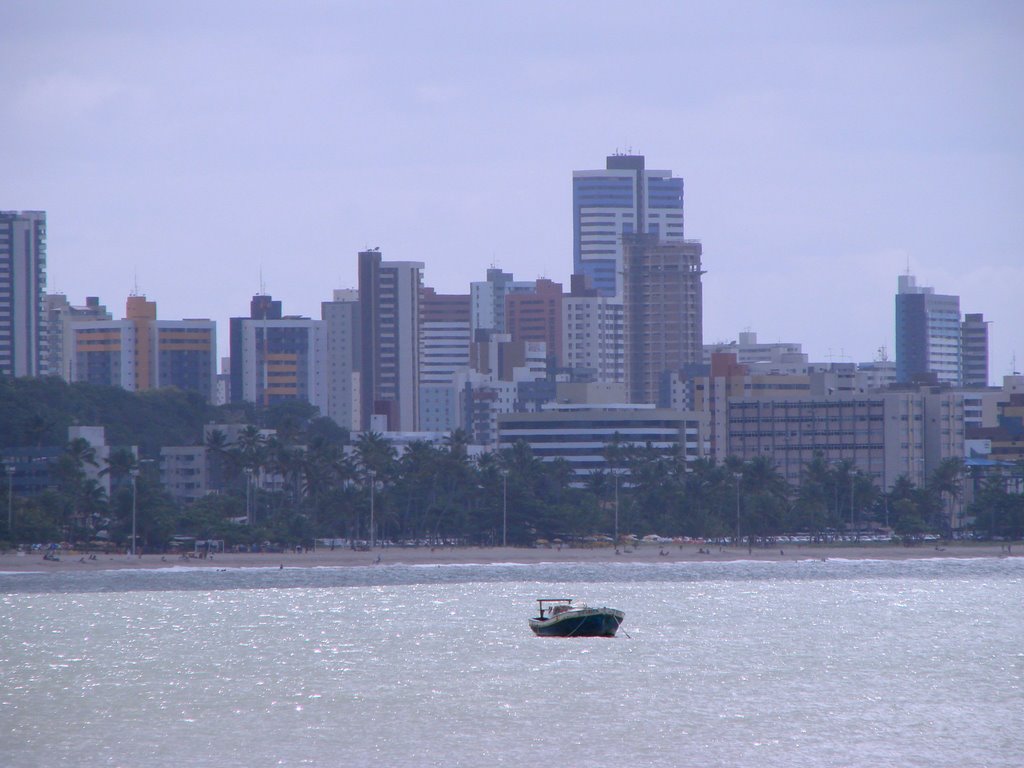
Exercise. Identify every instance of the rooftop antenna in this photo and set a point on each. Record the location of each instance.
(263, 286)
(135, 283)
(840, 355)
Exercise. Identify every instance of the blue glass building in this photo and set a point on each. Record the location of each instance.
(623, 199)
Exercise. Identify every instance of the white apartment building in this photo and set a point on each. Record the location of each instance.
(341, 321)
(593, 336)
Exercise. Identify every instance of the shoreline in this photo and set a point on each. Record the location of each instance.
(13, 563)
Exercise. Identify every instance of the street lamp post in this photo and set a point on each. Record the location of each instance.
(853, 528)
(10, 500)
(738, 476)
(373, 481)
(135, 476)
(504, 507)
(248, 496)
(616, 474)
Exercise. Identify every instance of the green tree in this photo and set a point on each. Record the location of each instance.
(765, 497)
(946, 483)
(220, 459)
(119, 465)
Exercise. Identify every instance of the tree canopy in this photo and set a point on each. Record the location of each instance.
(432, 493)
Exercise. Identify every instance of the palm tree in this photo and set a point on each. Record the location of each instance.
(251, 448)
(615, 457)
(699, 485)
(375, 453)
(91, 503)
(457, 441)
(375, 457)
(946, 482)
(421, 491)
(81, 453)
(655, 491)
(36, 428)
(71, 471)
(767, 496)
(120, 464)
(288, 462)
(219, 455)
(813, 508)
(525, 490)
(906, 505)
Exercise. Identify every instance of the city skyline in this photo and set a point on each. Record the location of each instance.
(199, 159)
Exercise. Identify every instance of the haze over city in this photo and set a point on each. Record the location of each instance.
(188, 150)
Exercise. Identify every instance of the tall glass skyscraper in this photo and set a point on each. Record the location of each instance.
(623, 199)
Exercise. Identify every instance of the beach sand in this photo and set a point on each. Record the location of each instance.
(339, 557)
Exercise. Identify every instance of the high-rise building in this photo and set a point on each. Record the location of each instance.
(592, 333)
(261, 307)
(343, 357)
(389, 297)
(974, 345)
(59, 315)
(444, 352)
(536, 315)
(22, 291)
(663, 311)
(487, 299)
(184, 355)
(141, 352)
(928, 342)
(103, 353)
(623, 199)
(276, 358)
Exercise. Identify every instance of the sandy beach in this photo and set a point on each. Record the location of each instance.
(326, 558)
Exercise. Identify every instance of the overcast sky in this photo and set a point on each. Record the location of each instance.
(189, 146)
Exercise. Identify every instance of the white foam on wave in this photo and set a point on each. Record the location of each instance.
(475, 565)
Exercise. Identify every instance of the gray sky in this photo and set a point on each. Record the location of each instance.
(824, 146)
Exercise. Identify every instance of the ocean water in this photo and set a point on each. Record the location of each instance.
(912, 663)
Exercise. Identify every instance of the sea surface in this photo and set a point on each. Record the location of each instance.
(834, 663)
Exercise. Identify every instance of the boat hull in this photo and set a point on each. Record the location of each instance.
(589, 622)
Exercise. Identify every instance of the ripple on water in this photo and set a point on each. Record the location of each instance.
(881, 663)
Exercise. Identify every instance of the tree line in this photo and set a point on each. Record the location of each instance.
(329, 486)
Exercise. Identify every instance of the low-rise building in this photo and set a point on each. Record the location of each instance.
(580, 434)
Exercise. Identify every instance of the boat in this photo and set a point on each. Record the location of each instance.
(563, 617)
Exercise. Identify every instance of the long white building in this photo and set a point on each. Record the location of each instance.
(580, 434)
